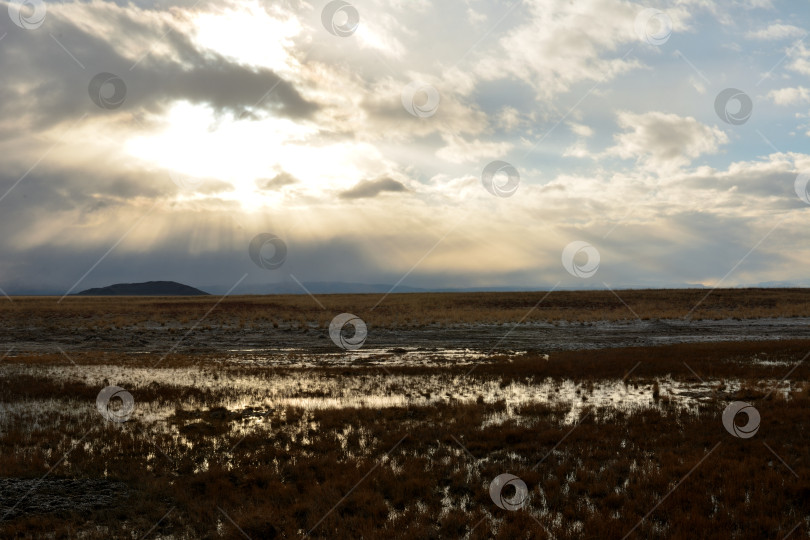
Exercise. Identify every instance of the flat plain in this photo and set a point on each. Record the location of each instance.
(247, 420)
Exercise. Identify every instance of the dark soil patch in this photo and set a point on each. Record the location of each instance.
(35, 496)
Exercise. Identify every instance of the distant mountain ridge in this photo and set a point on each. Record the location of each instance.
(149, 288)
(324, 287)
(171, 288)
(340, 287)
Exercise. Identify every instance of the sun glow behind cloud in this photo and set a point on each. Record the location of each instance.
(197, 144)
(242, 153)
(249, 35)
(246, 152)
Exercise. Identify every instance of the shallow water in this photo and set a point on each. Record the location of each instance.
(271, 389)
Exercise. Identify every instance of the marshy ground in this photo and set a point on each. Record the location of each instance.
(250, 422)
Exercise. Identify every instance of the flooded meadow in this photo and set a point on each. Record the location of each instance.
(614, 429)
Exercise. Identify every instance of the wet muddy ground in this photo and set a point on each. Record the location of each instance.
(32, 496)
(270, 430)
(394, 443)
(485, 338)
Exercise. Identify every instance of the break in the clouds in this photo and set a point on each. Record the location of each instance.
(143, 141)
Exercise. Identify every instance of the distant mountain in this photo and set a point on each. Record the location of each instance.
(150, 288)
(797, 284)
(317, 287)
(168, 288)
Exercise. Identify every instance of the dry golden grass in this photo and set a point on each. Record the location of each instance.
(412, 310)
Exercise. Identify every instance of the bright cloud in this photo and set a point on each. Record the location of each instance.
(776, 31)
(661, 140)
(790, 96)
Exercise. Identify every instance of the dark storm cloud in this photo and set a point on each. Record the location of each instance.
(54, 268)
(372, 188)
(42, 85)
(52, 190)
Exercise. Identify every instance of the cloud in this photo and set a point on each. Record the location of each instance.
(800, 59)
(372, 188)
(753, 188)
(459, 150)
(578, 150)
(100, 37)
(377, 108)
(790, 96)
(509, 118)
(580, 129)
(612, 136)
(277, 182)
(568, 42)
(664, 140)
(776, 31)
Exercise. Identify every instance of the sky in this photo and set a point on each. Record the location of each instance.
(425, 143)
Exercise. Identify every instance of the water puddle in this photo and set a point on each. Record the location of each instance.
(253, 392)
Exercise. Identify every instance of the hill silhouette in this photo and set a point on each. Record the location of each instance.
(150, 288)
